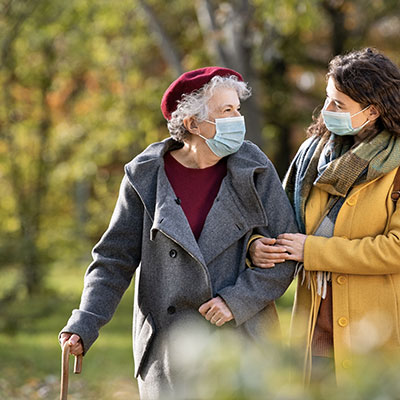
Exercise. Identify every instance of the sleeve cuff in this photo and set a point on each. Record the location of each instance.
(251, 240)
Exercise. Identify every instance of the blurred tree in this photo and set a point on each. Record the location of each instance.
(81, 87)
(281, 47)
(27, 185)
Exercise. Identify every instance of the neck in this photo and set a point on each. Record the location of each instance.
(195, 154)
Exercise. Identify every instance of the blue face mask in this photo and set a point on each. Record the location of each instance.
(228, 137)
(339, 123)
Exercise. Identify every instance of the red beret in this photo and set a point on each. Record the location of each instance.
(187, 83)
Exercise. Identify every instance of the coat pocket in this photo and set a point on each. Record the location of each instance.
(143, 342)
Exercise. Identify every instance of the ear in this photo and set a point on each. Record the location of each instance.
(373, 113)
(191, 125)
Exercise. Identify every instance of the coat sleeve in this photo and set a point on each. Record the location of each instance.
(115, 259)
(256, 287)
(377, 255)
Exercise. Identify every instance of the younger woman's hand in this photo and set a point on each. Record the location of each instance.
(294, 245)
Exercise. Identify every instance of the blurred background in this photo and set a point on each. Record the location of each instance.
(81, 83)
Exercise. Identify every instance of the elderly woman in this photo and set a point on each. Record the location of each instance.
(343, 184)
(186, 210)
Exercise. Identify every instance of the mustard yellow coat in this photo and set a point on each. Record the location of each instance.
(364, 258)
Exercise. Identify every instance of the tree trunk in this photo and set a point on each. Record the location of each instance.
(227, 43)
(336, 13)
(167, 47)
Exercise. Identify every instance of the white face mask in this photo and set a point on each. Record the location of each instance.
(339, 123)
(229, 135)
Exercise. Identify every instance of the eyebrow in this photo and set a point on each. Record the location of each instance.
(228, 105)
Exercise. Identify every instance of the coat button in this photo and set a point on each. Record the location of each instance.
(341, 279)
(343, 321)
(171, 310)
(351, 201)
(173, 253)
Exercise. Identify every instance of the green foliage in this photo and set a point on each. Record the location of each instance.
(81, 87)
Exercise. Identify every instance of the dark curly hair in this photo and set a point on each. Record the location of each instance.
(367, 77)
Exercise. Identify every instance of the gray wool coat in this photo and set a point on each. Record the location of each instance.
(149, 235)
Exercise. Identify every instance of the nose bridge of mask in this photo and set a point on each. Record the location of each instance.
(341, 114)
(337, 114)
(229, 120)
(230, 125)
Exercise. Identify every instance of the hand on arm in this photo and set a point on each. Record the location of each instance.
(265, 253)
(294, 245)
(216, 311)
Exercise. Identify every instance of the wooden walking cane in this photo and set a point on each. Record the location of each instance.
(65, 369)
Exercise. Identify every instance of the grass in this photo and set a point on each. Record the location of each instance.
(30, 355)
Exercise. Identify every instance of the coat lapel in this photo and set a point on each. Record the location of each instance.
(170, 219)
(225, 223)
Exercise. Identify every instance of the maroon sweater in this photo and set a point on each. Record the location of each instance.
(195, 189)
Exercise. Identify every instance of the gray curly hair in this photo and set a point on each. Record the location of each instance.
(195, 103)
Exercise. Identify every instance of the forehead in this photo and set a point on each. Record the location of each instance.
(334, 94)
(223, 96)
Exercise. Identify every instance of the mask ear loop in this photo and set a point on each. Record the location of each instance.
(358, 112)
(210, 122)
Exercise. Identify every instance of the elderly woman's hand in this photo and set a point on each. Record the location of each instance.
(294, 245)
(75, 343)
(264, 253)
(216, 311)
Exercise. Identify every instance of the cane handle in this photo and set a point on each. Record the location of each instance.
(65, 369)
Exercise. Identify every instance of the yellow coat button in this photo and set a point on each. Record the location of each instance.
(343, 321)
(346, 364)
(341, 279)
(351, 201)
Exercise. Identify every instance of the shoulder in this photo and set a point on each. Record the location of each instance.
(305, 152)
(152, 152)
(251, 150)
(152, 155)
(250, 165)
(249, 156)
